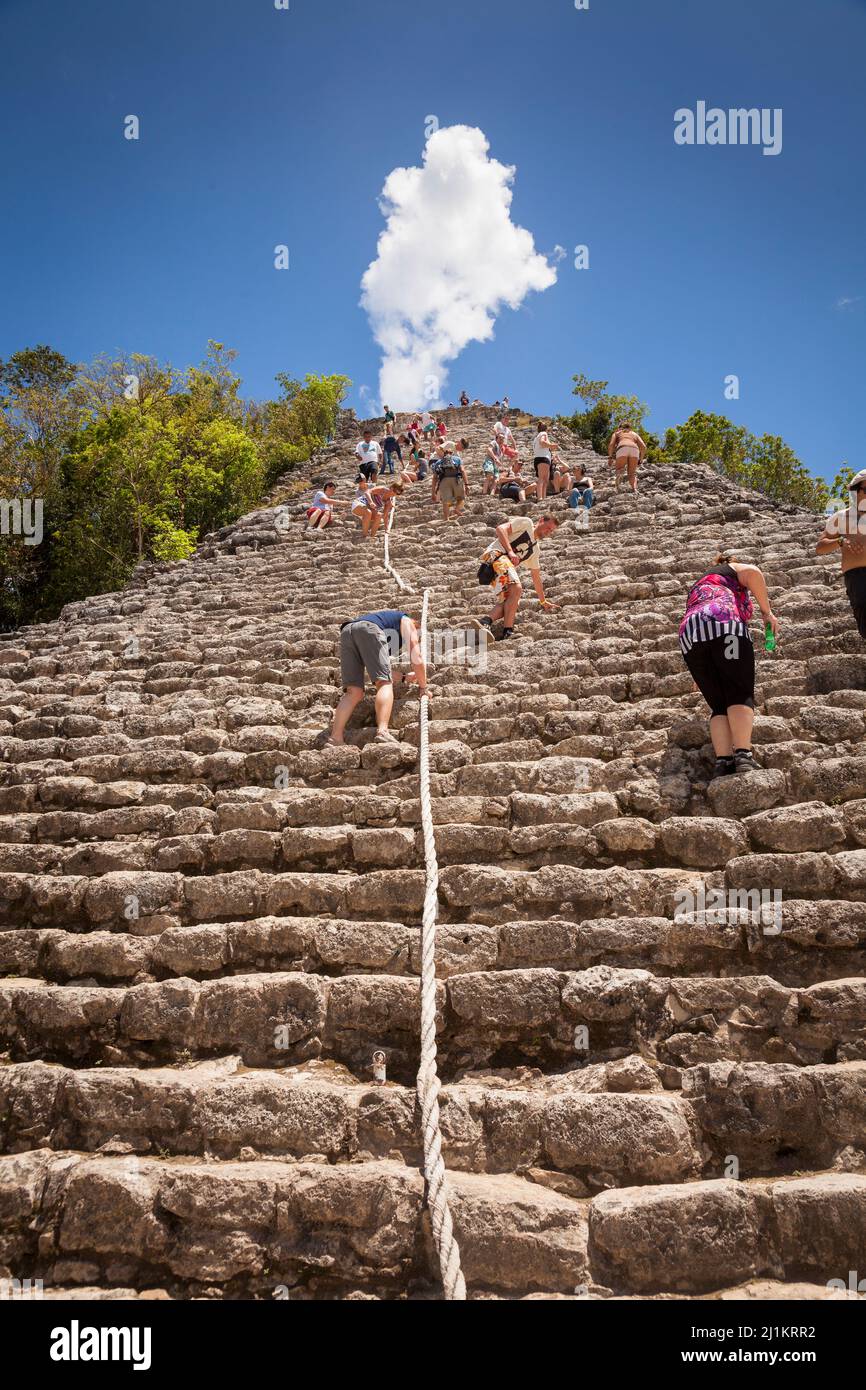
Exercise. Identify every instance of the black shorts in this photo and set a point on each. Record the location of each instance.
(723, 669)
(855, 587)
(536, 462)
(510, 491)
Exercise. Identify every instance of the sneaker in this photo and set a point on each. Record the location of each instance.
(744, 761)
(385, 736)
(724, 767)
(488, 623)
(505, 634)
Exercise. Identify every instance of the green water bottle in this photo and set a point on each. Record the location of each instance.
(769, 639)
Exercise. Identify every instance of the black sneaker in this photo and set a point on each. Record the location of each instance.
(488, 623)
(724, 767)
(744, 761)
(505, 634)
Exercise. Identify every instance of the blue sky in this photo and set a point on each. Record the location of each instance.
(261, 127)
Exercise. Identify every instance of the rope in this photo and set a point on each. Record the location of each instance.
(427, 1083)
(389, 568)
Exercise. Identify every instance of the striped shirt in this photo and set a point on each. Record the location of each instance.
(702, 629)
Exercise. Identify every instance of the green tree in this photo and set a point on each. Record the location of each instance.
(303, 417)
(605, 413)
(766, 464)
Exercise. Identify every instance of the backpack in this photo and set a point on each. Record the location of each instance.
(450, 468)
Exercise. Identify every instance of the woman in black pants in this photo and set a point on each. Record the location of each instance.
(717, 648)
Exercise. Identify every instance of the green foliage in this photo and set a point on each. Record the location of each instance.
(170, 543)
(606, 413)
(302, 418)
(136, 461)
(766, 463)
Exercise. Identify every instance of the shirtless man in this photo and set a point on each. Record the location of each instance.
(626, 450)
(845, 531)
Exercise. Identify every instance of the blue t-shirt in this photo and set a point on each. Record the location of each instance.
(389, 619)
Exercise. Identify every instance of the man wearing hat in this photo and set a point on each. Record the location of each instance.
(845, 531)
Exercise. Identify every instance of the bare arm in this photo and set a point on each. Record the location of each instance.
(409, 634)
(539, 589)
(754, 580)
(827, 543)
(502, 533)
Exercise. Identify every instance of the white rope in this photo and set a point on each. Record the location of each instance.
(427, 1083)
(389, 568)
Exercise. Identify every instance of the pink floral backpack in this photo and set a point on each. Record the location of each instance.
(719, 598)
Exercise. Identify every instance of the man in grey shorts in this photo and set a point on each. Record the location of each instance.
(367, 644)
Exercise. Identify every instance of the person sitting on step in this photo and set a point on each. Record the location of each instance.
(512, 485)
(560, 477)
(368, 643)
(582, 493)
(517, 544)
(320, 512)
(717, 648)
(845, 531)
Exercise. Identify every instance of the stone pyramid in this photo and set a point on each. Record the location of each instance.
(209, 924)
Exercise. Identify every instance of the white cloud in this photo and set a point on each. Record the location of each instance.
(559, 253)
(848, 301)
(447, 262)
(369, 402)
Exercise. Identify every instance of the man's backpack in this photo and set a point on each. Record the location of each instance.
(486, 573)
(450, 468)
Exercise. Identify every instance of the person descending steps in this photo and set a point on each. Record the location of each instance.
(846, 531)
(369, 455)
(517, 543)
(367, 644)
(717, 648)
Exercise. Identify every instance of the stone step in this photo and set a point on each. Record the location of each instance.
(319, 1229)
(582, 1131)
(816, 941)
(538, 1017)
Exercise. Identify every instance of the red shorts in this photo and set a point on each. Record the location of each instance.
(314, 511)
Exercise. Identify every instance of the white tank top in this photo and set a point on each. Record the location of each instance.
(540, 450)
